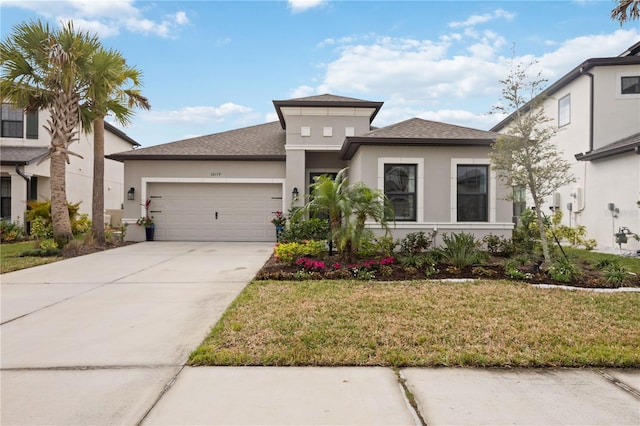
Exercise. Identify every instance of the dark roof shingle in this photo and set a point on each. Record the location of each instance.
(13, 155)
(628, 144)
(419, 132)
(260, 142)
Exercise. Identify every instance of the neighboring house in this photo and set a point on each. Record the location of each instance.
(596, 107)
(24, 142)
(227, 186)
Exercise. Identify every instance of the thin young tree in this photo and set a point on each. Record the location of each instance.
(526, 156)
(114, 89)
(45, 68)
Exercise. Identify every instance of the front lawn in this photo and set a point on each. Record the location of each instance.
(11, 259)
(424, 323)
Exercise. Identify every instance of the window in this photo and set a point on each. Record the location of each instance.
(5, 198)
(472, 193)
(564, 111)
(630, 85)
(519, 202)
(12, 122)
(400, 189)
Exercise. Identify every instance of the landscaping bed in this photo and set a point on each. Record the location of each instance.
(334, 268)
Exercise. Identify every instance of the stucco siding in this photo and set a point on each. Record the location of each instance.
(317, 125)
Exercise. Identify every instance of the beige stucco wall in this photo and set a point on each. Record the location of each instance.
(616, 115)
(317, 123)
(437, 188)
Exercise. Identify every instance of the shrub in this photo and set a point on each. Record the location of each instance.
(303, 230)
(462, 250)
(10, 231)
(564, 270)
(40, 228)
(497, 245)
(289, 252)
(80, 224)
(45, 248)
(414, 242)
(615, 274)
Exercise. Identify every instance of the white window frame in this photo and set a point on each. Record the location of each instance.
(419, 162)
(619, 94)
(562, 123)
(492, 187)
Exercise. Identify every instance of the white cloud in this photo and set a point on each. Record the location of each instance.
(474, 20)
(104, 17)
(197, 114)
(453, 79)
(298, 6)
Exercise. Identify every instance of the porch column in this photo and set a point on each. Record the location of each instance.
(295, 176)
(18, 198)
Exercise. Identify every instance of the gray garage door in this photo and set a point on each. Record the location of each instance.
(214, 212)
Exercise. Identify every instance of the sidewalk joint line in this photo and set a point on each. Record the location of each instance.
(619, 384)
(164, 390)
(409, 397)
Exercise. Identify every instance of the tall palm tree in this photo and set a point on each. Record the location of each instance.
(44, 68)
(113, 89)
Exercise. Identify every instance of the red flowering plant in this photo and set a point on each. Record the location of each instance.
(145, 220)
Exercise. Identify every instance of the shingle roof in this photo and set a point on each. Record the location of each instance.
(326, 100)
(13, 155)
(417, 131)
(261, 142)
(628, 144)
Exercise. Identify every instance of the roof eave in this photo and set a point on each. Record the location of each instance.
(569, 77)
(335, 104)
(159, 157)
(352, 144)
(119, 133)
(589, 156)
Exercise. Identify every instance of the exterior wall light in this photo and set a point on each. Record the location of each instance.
(131, 195)
(295, 193)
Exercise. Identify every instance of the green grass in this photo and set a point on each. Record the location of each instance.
(631, 263)
(10, 259)
(426, 323)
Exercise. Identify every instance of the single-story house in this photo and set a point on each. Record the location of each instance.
(227, 186)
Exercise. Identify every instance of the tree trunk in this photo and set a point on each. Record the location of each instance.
(59, 211)
(97, 205)
(539, 220)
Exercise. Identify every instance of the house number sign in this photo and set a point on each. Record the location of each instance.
(216, 174)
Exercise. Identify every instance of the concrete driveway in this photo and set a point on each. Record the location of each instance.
(95, 339)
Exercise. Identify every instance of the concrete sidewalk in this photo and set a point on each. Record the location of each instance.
(102, 339)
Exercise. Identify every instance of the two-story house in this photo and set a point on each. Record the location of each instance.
(24, 142)
(596, 108)
(227, 186)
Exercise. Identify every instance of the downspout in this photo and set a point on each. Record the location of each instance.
(591, 114)
(591, 90)
(28, 180)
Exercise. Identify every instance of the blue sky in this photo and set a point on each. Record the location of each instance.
(211, 66)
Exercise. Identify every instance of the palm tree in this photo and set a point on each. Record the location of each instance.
(329, 196)
(47, 69)
(107, 94)
(367, 203)
(619, 13)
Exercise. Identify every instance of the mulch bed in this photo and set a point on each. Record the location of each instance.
(590, 278)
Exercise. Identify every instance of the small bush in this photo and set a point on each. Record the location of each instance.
(615, 274)
(462, 250)
(303, 230)
(80, 224)
(40, 228)
(10, 231)
(564, 270)
(414, 242)
(289, 252)
(497, 245)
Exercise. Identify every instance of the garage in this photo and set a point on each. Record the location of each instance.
(214, 211)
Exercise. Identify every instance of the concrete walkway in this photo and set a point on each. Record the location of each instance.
(102, 339)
